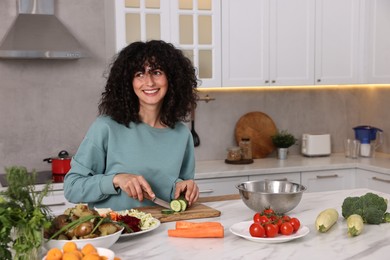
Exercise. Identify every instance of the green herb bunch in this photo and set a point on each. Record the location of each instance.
(283, 139)
(23, 217)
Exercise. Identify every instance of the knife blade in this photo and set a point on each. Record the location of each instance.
(161, 202)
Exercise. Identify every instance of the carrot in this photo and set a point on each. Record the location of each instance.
(197, 232)
(114, 215)
(188, 224)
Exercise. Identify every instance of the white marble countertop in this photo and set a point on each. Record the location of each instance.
(294, 163)
(373, 243)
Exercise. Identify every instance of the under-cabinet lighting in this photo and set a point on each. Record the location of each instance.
(273, 88)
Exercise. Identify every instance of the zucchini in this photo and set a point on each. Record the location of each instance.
(355, 225)
(167, 211)
(175, 205)
(326, 219)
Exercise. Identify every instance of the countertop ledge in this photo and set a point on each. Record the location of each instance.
(294, 163)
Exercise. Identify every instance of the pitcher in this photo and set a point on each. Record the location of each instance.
(370, 139)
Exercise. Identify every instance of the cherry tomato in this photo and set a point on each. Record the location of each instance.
(273, 218)
(264, 219)
(268, 211)
(256, 230)
(278, 222)
(256, 218)
(295, 223)
(286, 228)
(271, 230)
(286, 218)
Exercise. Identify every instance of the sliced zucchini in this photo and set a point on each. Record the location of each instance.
(167, 211)
(175, 205)
(183, 203)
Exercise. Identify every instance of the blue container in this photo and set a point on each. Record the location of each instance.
(365, 133)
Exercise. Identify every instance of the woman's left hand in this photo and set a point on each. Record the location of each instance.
(190, 188)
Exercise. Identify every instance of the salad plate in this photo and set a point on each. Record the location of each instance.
(241, 229)
(151, 228)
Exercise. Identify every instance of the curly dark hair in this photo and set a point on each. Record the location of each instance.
(119, 100)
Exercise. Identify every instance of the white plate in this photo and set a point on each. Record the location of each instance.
(158, 223)
(242, 230)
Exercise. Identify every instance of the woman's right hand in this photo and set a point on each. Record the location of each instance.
(134, 185)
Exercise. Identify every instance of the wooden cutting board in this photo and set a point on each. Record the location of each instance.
(259, 127)
(197, 210)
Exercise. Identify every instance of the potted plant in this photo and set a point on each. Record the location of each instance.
(282, 141)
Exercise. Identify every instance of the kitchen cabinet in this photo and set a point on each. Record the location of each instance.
(372, 180)
(267, 42)
(219, 186)
(291, 176)
(328, 180)
(191, 25)
(338, 42)
(378, 41)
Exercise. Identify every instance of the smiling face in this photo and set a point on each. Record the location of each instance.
(150, 85)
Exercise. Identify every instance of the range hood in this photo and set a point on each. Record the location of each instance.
(38, 34)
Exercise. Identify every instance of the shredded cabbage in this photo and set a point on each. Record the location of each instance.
(147, 220)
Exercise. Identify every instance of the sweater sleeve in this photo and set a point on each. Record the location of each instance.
(86, 182)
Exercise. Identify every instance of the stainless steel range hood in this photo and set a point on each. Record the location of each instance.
(38, 34)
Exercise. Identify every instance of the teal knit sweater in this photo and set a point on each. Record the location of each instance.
(162, 156)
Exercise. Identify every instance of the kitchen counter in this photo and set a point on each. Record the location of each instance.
(294, 163)
(373, 243)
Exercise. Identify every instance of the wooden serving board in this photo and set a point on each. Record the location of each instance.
(197, 210)
(259, 127)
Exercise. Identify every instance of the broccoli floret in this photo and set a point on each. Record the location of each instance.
(372, 215)
(370, 206)
(351, 205)
(371, 199)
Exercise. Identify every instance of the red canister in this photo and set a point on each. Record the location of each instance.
(59, 165)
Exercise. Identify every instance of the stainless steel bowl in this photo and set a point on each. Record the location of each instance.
(281, 196)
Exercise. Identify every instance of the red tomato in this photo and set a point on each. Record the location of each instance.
(256, 218)
(295, 223)
(264, 219)
(286, 218)
(278, 222)
(286, 228)
(271, 230)
(256, 230)
(268, 211)
(273, 218)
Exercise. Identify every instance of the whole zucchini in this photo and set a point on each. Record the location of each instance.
(355, 225)
(326, 219)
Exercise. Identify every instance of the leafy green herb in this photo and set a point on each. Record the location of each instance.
(23, 217)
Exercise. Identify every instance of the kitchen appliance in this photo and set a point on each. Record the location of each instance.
(370, 139)
(37, 33)
(316, 144)
(59, 165)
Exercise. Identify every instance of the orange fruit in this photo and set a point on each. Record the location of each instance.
(88, 248)
(69, 247)
(91, 256)
(71, 256)
(54, 254)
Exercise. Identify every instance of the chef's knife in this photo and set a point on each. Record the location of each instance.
(161, 202)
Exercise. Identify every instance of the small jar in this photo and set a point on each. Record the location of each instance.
(234, 153)
(246, 148)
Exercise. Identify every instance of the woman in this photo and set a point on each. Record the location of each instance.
(138, 147)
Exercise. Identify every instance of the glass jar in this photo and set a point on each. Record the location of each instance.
(246, 148)
(234, 153)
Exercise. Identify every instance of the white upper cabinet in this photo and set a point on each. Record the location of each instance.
(267, 42)
(339, 48)
(191, 25)
(378, 41)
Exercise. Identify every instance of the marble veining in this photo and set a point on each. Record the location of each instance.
(373, 243)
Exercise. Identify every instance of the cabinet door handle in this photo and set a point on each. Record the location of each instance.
(206, 191)
(281, 179)
(327, 176)
(379, 179)
(55, 204)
